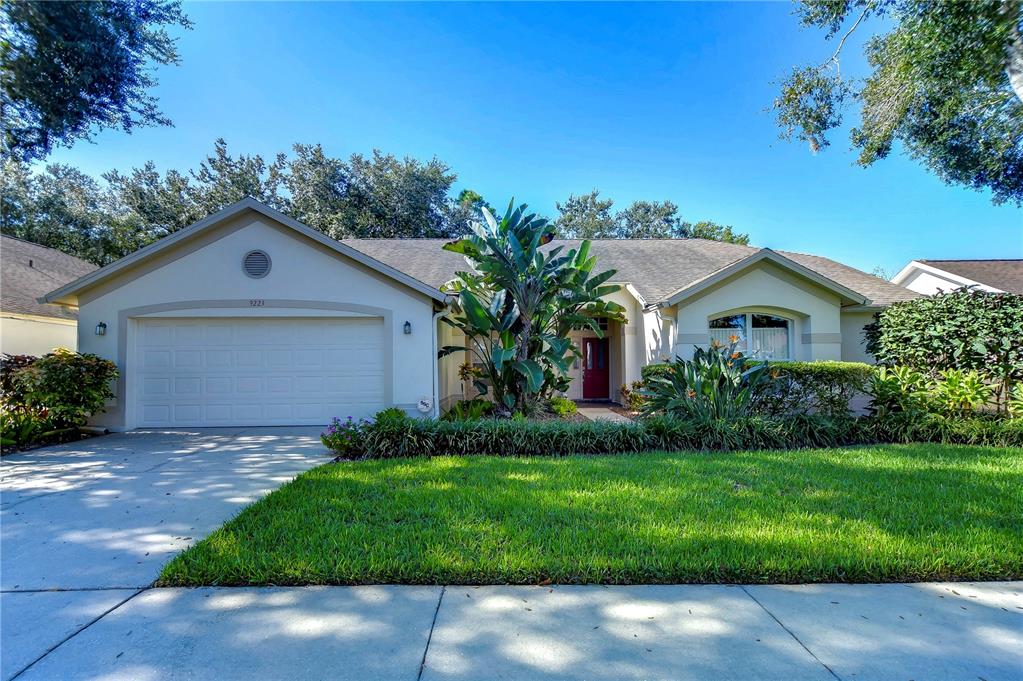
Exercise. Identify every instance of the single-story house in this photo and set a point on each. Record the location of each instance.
(27, 272)
(930, 277)
(251, 318)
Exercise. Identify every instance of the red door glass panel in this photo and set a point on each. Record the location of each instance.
(596, 375)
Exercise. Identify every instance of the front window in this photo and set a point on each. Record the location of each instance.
(762, 336)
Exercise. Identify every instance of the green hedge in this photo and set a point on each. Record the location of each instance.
(429, 437)
(817, 387)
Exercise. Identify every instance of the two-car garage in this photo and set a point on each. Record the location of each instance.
(264, 371)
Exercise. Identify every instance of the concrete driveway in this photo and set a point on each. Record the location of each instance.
(85, 526)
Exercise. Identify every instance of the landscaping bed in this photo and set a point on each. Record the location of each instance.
(864, 514)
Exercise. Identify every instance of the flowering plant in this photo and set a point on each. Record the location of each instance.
(345, 438)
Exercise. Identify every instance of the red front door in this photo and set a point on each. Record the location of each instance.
(596, 377)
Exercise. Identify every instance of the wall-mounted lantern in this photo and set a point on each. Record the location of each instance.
(101, 329)
(408, 328)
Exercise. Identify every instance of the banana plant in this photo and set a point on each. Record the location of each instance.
(519, 301)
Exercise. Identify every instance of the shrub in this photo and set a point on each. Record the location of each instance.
(562, 406)
(632, 396)
(812, 387)
(965, 330)
(1016, 401)
(501, 437)
(347, 438)
(66, 386)
(508, 437)
(959, 392)
(719, 382)
(20, 428)
(657, 369)
(469, 410)
(13, 389)
(902, 390)
(929, 427)
(390, 413)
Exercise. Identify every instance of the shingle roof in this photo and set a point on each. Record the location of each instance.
(28, 271)
(1006, 275)
(655, 267)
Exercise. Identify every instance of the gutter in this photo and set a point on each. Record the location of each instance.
(435, 412)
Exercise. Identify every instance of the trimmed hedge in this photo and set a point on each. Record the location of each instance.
(429, 437)
(821, 387)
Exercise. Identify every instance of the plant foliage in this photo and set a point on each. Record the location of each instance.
(816, 387)
(70, 67)
(945, 82)
(967, 330)
(719, 382)
(519, 302)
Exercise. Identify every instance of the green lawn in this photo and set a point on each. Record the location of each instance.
(885, 513)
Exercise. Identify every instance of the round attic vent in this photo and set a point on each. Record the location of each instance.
(256, 264)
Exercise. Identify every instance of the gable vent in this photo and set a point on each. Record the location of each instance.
(256, 264)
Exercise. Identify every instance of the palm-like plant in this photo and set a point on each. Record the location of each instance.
(718, 383)
(519, 303)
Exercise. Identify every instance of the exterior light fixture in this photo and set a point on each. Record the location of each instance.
(101, 329)
(407, 328)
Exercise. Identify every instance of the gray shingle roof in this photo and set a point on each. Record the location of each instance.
(28, 271)
(655, 267)
(1006, 275)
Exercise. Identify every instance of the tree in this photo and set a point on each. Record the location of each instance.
(379, 196)
(60, 208)
(75, 66)
(649, 220)
(586, 217)
(519, 304)
(705, 229)
(589, 217)
(946, 82)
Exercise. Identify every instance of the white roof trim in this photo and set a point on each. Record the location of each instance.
(248, 203)
(913, 265)
(713, 278)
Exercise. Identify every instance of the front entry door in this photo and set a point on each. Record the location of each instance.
(596, 376)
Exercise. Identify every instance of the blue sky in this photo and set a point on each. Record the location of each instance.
(659, 101)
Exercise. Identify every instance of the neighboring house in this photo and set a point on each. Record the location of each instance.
(251, 318)
(930, 277)
(28, 271)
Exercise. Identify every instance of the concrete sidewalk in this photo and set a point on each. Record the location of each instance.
(877, 632)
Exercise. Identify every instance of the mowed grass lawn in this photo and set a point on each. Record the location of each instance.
(871, 514)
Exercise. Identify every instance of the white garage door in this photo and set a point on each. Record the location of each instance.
(283, 371)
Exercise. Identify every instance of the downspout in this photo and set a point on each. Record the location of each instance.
(435, 412)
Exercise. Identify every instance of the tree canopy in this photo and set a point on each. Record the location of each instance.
(946, 82)
(376, 196)
(588, 216)
(72, 67)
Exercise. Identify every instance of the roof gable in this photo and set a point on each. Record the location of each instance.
(68, 293)
(1004, 274)
(847, 295)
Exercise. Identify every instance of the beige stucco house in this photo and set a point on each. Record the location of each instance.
(28, 271)
(251, 318)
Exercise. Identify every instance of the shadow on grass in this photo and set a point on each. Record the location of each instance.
(894, 513)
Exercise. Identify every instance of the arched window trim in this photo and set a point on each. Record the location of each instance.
(747, 327)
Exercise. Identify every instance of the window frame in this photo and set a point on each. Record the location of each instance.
(747, 329)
